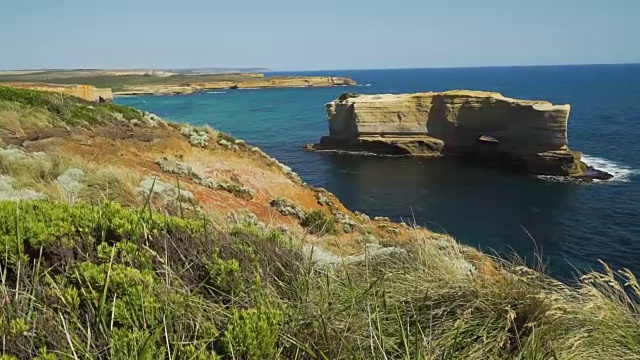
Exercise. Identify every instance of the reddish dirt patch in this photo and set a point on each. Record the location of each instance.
(136, 149)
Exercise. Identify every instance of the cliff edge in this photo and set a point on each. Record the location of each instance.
(522, 135)
(85, 92)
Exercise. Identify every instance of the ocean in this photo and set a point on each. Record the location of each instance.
(571, 226)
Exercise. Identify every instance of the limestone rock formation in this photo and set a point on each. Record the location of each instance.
(248, 82)
(522, 135)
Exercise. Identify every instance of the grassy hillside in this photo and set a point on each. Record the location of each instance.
(109, 274)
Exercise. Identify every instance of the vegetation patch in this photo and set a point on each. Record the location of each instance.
(173, 166)
(197, 136)
(105, 282)
(348, 224)
(236, 189)
(68, 109)
(287, 207)
(318, 223)
(240, 191)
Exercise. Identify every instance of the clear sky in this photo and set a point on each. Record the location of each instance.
(314, 35)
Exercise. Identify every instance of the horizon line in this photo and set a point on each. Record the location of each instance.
(464, 67)
(267, 69)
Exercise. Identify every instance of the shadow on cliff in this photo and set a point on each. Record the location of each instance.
(475, 137)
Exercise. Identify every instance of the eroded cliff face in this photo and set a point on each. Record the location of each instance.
(523, 135)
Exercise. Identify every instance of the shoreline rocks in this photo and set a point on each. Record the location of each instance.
(520, 135)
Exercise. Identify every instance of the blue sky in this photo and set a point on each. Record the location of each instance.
(305, 35)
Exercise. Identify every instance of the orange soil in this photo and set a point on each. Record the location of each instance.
(137, 147)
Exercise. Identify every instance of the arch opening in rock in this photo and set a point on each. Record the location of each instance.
(488, 139)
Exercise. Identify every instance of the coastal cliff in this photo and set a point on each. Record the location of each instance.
(85, 92)
(522, 135)
(256, 81)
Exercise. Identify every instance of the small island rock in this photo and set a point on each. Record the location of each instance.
(522, 135)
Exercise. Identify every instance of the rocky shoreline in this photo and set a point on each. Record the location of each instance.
(484, 127)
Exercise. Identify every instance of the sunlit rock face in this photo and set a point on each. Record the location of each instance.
(522, 135)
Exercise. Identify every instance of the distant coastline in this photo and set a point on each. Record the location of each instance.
(104, 85)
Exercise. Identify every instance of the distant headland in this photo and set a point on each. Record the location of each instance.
(104, 85)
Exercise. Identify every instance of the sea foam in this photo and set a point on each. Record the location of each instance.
(620, 172)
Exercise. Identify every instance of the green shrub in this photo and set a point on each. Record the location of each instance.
(141, 345)
(253, 333)
(318, 223)
(104, 282)
(191, 352)
(126, 288)
(223, 275)
(70, 109)
(62, 230)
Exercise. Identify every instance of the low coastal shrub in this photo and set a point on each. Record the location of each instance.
(106, 282)
(197, 136)
(318, 223)
(240, 191)
(69, 109)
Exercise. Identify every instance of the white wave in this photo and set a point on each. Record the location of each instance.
(620, 172)
(368, 85)
(355, 152)
(216, 92)
(554, 178)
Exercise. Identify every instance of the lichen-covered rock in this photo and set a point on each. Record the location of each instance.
(173, 166)
(240, 191)
(322, 200)
(167, 192)
(391, 229)
(522, 135)
(246, 217)
(348, 224)
(287, 208)
(362, 217)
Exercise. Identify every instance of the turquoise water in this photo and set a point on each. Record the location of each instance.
(571, 225)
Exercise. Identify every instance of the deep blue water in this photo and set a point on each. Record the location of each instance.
(572, 225)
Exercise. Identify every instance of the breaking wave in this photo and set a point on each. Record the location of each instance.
(620, 172)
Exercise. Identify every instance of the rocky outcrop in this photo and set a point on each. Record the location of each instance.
(522, 135)
(249, 82)
(86, 92)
